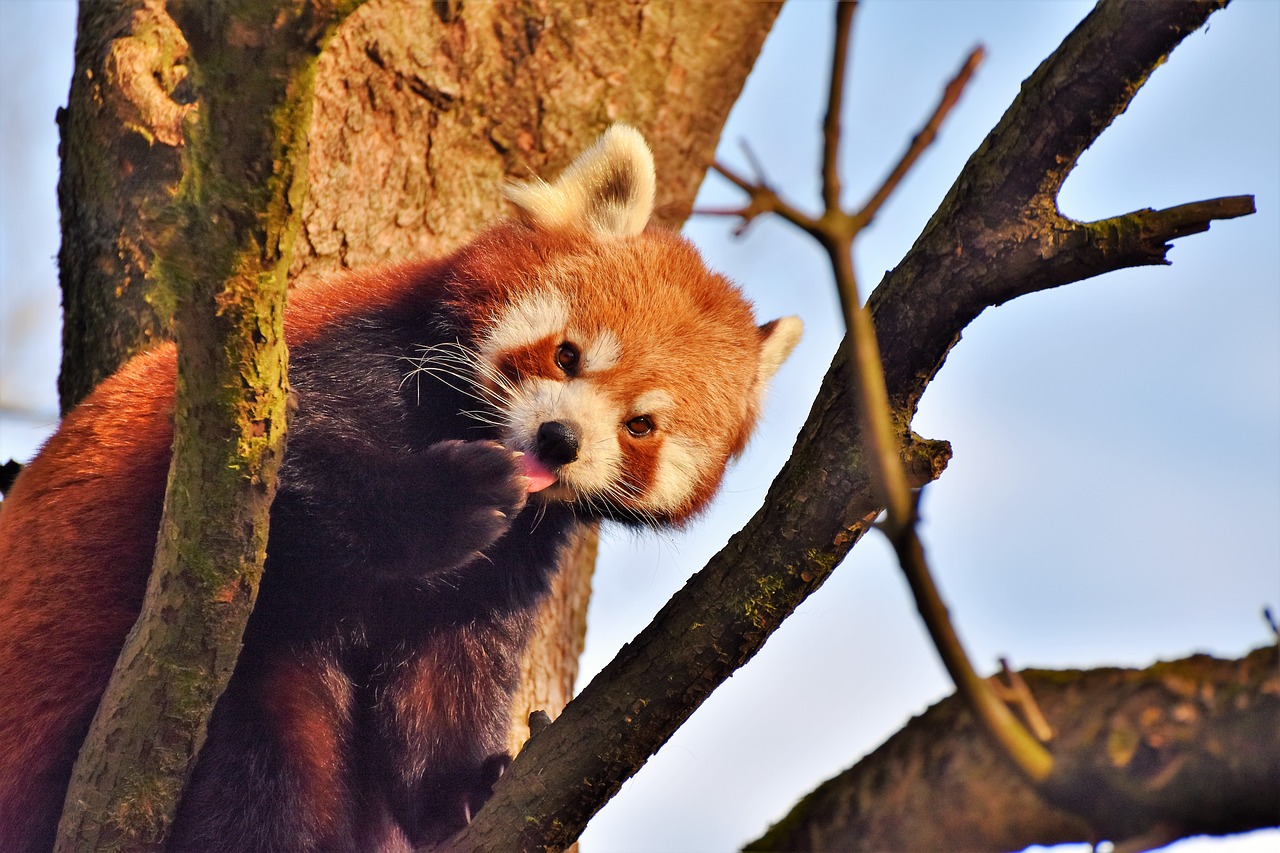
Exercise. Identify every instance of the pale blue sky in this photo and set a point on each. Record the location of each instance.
(1115, 493)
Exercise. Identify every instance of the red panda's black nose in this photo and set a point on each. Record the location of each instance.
(557, 443)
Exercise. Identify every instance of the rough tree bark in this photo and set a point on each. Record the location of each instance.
(225, 256)
(1194, 740)
(996, 236)
(421, 111)
(121, 136)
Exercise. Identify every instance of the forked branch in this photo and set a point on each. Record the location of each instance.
(823, 501)
(837, 229)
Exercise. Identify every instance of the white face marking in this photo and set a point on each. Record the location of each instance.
(655, 402)
(678, 472)
(526, 321)
(592, 414)
(602, 351)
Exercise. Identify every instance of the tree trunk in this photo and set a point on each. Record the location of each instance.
(121, 162)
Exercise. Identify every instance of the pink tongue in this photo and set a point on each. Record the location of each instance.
(539, 477)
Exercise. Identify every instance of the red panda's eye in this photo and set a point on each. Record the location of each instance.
(640, 426)
(567, 356)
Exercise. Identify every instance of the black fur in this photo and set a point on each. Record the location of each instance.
(402, 572)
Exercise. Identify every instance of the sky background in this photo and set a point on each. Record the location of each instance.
(1115, 492)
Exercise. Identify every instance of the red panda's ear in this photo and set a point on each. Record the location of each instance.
(777, 339)
(608, 190)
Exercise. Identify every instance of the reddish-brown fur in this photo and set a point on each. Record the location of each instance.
(77, 535)
(64, 529)
(78, 530)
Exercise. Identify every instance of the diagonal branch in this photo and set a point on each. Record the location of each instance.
(823, 501)
(979, 247)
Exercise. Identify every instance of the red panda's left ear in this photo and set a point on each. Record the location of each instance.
(777, 339)
(608, 190)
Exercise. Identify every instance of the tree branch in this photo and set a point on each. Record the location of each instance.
(998, 233)
(763, 200)
(822, 501)
(835, 100)
(837, 230)
(1189, 747)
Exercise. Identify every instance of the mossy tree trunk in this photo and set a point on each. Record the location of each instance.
(420, 112)
(121, 149)
(224, 255)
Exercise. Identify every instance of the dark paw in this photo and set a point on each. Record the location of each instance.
(485, 491)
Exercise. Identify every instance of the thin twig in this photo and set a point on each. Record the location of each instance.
(835, 99)
(880, 441)
(994, 716)
(923, 138)
(763, 200)
(835, 229)
(1015, 691)
(754, 162)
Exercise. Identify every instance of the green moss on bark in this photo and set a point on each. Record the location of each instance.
(237, 217)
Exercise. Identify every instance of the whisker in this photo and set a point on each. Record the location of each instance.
(465, 371)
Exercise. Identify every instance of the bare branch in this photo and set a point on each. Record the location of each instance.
(763, 200)
(1190, 747)
(998, 722)
(1015, 691)
(823, 500)
(836, 231)
(923, 138)
(835, 100)
(996, 235)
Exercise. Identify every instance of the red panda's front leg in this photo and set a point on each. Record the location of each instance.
(398, 512)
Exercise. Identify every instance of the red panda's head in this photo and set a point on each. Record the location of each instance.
(626, 371)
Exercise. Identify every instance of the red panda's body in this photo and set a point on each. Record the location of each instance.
(569, 362)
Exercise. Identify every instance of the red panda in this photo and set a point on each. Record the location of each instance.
(456, 419)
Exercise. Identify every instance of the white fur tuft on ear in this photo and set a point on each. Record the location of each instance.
(608, 189)
(778, 338)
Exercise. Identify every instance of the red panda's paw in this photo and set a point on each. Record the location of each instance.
(486, 491)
